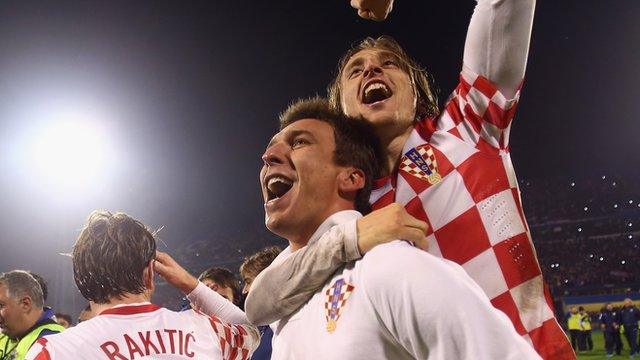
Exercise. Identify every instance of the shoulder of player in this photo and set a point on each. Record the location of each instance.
(397, 263)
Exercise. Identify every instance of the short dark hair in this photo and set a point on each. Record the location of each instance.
(110, 255)
(254, 264)
(356, 142)
(64, 316)
(223, 277)
(427, 98)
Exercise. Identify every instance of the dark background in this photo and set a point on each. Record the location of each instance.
(190, 93)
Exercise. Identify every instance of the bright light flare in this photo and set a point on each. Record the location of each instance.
(70, 153)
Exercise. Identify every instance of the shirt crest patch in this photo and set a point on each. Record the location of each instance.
(335, 300)
(421, 163)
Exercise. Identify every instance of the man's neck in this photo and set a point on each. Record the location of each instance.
(300, 240)
(125, 299)
(31, 319)
(393, 143)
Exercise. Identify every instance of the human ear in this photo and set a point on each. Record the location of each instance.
(351, 180)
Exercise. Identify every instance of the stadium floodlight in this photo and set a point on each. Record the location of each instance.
(70, 154)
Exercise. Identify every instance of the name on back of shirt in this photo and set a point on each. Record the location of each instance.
(145, 343)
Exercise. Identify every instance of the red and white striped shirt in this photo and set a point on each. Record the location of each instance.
(151, 332)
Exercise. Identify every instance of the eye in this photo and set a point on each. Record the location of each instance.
(297, 142)
(355, 72)
(390, 62)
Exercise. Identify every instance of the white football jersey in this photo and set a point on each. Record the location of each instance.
(148, 331)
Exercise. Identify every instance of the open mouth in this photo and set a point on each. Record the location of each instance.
(374, 92)
(277, 186)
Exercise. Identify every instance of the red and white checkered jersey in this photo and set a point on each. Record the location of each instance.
(456, 174)
(151, 332)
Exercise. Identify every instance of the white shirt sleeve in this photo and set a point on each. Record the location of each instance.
(433, 309)
(288, 283)
(497, 43)
(210, 302)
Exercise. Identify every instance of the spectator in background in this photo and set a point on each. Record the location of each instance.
(629, 317)
(617, 339)
(585, 325)
(23, 317)
(574, 327)
(222, 281)
(85, 314)
(250, 268)
(254, 264)
(64, 320)
(609, 326)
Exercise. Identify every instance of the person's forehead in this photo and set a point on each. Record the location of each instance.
(369, 53)
(313, 127)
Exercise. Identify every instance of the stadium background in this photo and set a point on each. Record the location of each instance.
(187, 95)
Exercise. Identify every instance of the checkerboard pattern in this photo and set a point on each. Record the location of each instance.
(474, 211)
(235, 341)
(336, 298)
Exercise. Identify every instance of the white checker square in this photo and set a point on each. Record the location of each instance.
(445, 122)
(485, 270)
(447, 200)
(500, 216)
(468, 133)
(413, 140)
(505, 104)
(456, 150)
(404, 191)
(508, 167)
(378, 193)
(532, 307)
(491, 134)
(478, 101)
(434, 249)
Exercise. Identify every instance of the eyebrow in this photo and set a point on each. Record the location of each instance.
(289, 135)
(359, 60)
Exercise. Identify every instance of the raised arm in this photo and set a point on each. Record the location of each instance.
(201, 297)
(290, 281)
(498, 40)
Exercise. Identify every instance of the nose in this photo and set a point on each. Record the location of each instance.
(274, 155)
(372, 69)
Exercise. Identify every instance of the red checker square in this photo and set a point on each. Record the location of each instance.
(487, 148)
(497, 116)
(484, 176)
(551, 342)
(517, 260)
(504, 302)
(415, 208)
(472, 118)
(463, 238)
(384, 200)
(452, 108)
(485, 86)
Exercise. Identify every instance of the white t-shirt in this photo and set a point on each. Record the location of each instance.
(148, 331)
(398, 302)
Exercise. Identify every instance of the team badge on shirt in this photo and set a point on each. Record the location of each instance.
(421, 163)
(336, 298)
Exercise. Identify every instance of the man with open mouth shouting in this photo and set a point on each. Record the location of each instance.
(451, 169)
(316, 179)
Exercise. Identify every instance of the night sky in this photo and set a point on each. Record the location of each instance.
(189, 93)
